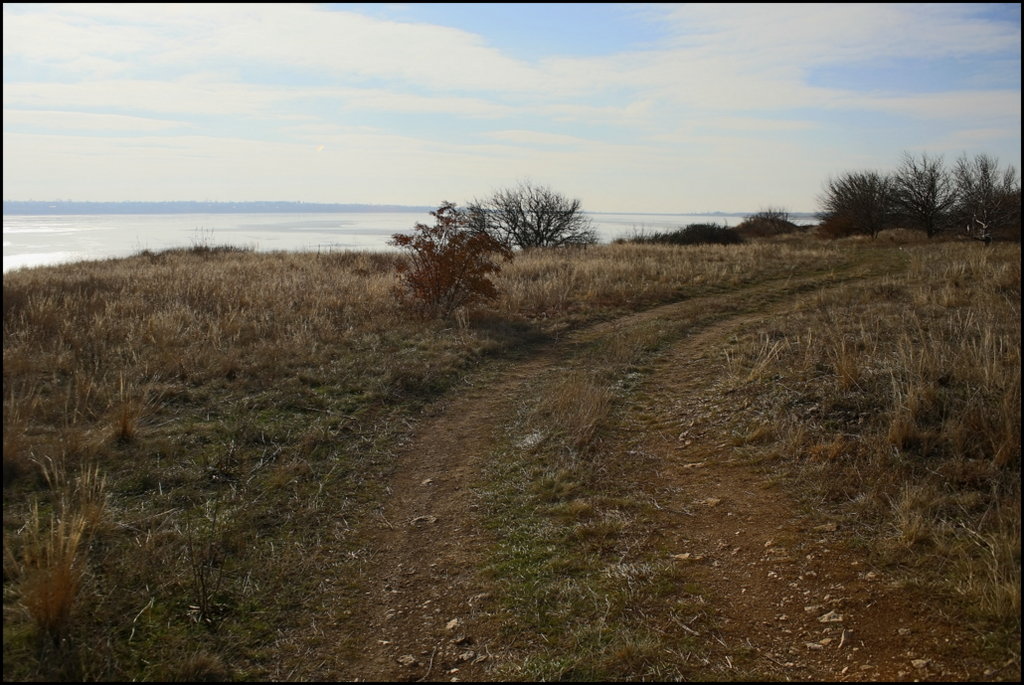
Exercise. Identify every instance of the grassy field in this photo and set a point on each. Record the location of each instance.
(901, 400)
(889, 404)
(196, 441)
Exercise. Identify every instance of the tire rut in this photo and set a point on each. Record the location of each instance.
(429, 610)
(792, 600)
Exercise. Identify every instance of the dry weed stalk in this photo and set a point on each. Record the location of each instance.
(50, 567)
(47, 554)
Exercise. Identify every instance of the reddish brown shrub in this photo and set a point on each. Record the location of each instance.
(449, 264)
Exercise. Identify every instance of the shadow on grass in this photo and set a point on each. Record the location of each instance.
(512, 339)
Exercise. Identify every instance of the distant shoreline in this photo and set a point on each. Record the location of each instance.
(66, 207)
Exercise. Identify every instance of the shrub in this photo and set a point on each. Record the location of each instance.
(694, 234)
(837, 227)
(862, 201)
(766, 223)
(449, 263)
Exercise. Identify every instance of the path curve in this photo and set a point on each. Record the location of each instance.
(430, 611)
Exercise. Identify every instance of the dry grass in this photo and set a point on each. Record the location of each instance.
(49, 564)
(577, 405)
(587, 593)
(902, 395)
(273, 388)
(46, 554)
(546, 283)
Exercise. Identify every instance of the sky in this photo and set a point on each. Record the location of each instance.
(627, 107)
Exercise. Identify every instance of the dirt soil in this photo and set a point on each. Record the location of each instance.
(795, 598)
(793, 592)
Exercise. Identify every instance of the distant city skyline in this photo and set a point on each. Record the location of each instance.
(680, 108)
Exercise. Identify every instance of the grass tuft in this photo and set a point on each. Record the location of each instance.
(50, 567)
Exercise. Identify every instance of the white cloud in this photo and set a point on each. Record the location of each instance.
(964, 104)
(256, 35)
(66, 39)
(535, 137)
(804, 33)
(751, 124)
(1005, 139)
(702, 116)
(85, 120)
(187, 96)
(379, 99)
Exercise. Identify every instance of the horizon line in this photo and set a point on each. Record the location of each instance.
(308, 204)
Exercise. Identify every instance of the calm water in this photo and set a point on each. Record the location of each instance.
(39, 240)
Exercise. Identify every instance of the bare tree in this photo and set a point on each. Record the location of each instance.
(1012, 231)
(924, 193)
(528, 215)
(862, 200)
(987, 198)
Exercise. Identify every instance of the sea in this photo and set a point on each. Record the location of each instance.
(31, 240)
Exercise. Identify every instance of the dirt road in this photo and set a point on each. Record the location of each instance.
(792, 599)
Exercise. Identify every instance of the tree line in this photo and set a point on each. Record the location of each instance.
(974, 196)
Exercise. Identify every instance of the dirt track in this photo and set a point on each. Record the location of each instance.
(793, 598)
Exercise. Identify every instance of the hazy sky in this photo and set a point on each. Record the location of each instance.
(633, 108)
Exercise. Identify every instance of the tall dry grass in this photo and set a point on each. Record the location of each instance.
(104, 349)
(274, 387)
(572, 282)
(49, 565)
(45, 557)
(901, 401)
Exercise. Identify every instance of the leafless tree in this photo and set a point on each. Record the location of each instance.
(863, 200)
(529, 215)
(987, 195)
(924, 193)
